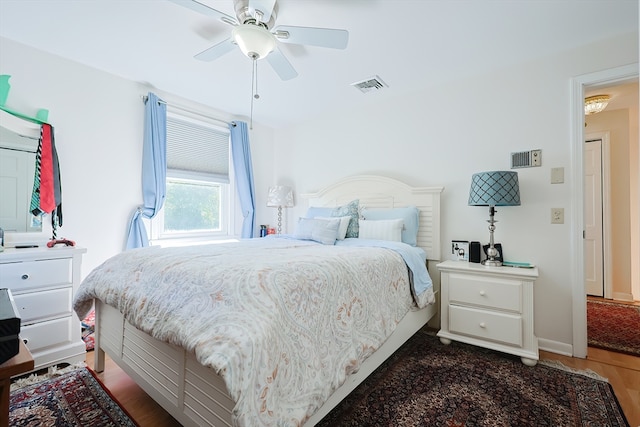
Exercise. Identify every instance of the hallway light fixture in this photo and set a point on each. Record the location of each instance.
(595, 104)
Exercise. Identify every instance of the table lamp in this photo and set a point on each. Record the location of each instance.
(496, 188)
(280, 196)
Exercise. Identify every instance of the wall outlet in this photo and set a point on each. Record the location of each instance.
(557, 215)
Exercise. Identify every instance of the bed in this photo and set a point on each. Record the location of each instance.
(198, 378)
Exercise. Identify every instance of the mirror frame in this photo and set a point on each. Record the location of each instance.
(12, 238)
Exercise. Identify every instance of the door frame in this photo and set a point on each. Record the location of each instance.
(578, 84)
(607, 261)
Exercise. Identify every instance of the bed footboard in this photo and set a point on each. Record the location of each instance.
(195, 395)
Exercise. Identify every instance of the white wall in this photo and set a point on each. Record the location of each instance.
(98, 121)
(442, 135)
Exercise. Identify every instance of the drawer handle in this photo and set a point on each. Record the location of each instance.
(483, 325)
(483, 293)
(25, 341)
(25, 276)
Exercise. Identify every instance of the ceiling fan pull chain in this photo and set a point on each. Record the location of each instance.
(254, 88)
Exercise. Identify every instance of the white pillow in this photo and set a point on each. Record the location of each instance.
(386, 229)
(344, 224)
(319, 230)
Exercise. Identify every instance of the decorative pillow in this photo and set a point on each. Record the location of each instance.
(314, 211)
(319, 230)
(344, 224)
(410, 216)
(385, 229)
(350, 209)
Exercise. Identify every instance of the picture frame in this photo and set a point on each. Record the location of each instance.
(460, 250)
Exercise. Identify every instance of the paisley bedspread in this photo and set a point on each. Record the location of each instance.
(282, 321)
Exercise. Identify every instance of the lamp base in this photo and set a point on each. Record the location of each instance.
(492, 263)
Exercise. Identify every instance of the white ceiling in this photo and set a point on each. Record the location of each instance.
(410, 44)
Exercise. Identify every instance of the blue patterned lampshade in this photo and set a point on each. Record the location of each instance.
(496, 188)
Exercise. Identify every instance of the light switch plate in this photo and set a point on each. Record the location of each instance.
(557, 175)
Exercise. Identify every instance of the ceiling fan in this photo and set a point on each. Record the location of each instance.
(254, 33)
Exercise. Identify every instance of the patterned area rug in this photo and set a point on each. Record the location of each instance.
(614, 326)
(72, 399)
(426, 383)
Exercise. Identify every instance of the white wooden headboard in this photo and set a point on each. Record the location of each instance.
(382, 192)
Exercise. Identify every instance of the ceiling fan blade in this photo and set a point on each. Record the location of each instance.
(323, 37)
(217, 50)
(206, 10)
(281, 65)
(264, 6)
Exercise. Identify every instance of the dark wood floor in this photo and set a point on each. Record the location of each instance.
(623, 372)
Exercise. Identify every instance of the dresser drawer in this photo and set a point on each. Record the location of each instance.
(24, 276)
(58, 332)
(502, 294)
(487, 325)
(36, 306)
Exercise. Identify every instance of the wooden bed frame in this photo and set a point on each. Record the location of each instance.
(194, 394)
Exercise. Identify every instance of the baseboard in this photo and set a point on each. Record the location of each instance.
(555, 347)
(623, 296)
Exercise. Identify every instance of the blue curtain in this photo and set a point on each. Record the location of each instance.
(154, 170)
(241, 157)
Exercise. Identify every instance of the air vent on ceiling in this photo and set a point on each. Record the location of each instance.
(372, 83)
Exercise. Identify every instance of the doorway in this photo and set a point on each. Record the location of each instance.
(580, 85)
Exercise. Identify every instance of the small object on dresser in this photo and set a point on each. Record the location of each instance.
(263, 230)
(460, 250)
(474, 252)
(51, 243)
(498, 246)
(9, 326)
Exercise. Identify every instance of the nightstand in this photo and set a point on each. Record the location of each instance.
(490, 307)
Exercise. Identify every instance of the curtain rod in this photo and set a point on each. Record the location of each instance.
(188, 110)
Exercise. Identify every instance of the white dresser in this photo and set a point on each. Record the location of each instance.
(43, 282)
(490, 307)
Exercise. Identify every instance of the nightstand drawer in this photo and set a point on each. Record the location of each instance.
(49, 334)
(488, 292)
(44, 305)
(22, 276)
(500, 327)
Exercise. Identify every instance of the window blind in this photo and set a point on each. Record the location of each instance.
(193, 147)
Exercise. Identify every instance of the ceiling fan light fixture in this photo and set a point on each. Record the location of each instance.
(595, 104)
(254, 41)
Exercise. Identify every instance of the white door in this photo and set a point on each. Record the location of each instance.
(593, 234)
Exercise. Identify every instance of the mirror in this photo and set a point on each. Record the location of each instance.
(18, 145)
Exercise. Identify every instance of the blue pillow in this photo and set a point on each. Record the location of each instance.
(313, 212)
(410, 215)
(319, 230)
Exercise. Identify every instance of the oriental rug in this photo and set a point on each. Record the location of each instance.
(74, 398)
(613, 326)
(426, 383)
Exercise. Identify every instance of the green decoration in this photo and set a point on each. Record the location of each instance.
(41, 116)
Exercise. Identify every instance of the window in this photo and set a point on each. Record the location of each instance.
(198, 202)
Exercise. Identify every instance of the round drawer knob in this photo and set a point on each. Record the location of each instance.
(483, 293)
(26, 341)
(483, 325)
(25, 276)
